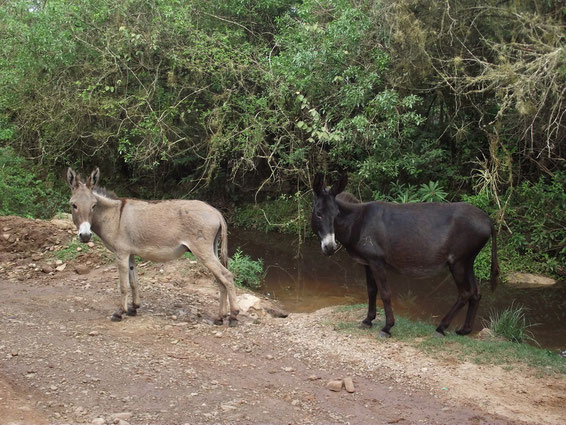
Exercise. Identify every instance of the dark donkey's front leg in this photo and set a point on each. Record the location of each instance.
(372, 297)
(378, 270)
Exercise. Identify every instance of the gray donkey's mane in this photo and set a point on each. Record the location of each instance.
(102, 191)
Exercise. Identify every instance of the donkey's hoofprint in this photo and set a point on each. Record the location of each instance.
(416, 239)
(155, 231)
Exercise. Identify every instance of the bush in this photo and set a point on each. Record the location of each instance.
(23, 192)
(405, 193)
(533, 237)
(247, 272)
(538, 221)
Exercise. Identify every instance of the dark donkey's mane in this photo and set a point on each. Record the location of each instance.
(348, 197)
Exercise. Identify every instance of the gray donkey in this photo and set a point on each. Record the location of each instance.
(154, 230)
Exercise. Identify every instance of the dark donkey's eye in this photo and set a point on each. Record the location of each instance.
(319, 215)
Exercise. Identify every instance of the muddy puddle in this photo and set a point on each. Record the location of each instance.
(304, 280)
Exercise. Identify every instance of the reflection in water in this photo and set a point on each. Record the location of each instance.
(305, 280)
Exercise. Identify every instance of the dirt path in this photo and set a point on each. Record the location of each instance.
(63, 361)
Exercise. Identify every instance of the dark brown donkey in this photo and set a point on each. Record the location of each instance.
(417, 239)
(156, 231)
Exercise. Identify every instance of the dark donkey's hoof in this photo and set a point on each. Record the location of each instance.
(383, 334)
(463, 331)
(366, 325)
(116, 317)
(439, 333)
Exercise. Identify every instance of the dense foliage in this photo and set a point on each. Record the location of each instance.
(23, 192)
(417, 100)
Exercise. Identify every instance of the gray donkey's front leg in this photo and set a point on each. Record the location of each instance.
(123, 272)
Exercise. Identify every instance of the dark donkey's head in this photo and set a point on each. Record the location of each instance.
(325, 211)
(83, 201)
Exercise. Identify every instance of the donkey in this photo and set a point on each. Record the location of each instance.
(154, 230)
(417, 239)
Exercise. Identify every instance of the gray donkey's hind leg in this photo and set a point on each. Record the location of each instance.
(226, 280)
(133, 277)
(223, 312)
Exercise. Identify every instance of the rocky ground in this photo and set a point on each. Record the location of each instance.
(63, 361)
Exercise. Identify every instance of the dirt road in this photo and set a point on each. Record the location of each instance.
(63, 361)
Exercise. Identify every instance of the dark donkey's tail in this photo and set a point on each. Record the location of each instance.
(494, 278)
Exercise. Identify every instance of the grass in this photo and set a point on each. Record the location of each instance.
(511, 324)
(404, 329)
(69, 252)
(190, 256)
(421, 335)
(507, 354)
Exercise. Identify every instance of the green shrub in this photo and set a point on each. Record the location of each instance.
(481, 200)
(533, 237)
(405, 193)
(538, 221)
(247, 272)
(24, 193)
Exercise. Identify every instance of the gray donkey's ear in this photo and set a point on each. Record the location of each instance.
(72, 179)
(93, 178)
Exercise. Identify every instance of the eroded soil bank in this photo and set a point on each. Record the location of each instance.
(63, 361)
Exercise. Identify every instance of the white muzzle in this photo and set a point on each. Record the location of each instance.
(84, 232)
(328, 244)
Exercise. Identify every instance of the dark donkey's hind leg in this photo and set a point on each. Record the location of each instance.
(473, 303)
(460, 272)
(372, 297)
(380, 277)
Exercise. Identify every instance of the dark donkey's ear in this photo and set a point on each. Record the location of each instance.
(318, 184)
(340, 185)
(93, 178)
(72, 179)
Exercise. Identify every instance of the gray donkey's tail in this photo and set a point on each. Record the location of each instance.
(223, 232)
